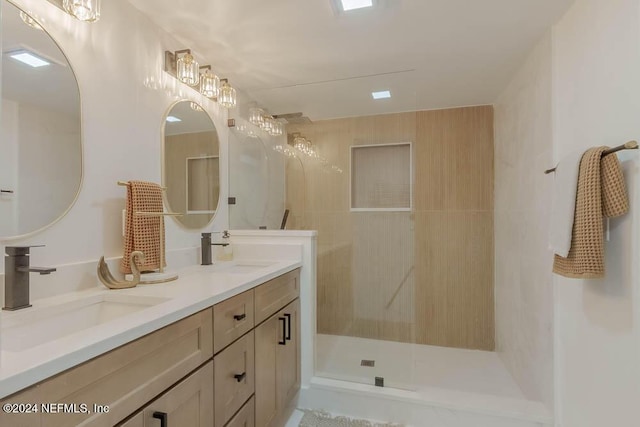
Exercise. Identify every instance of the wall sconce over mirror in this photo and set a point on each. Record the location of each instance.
(266, 122)
(227, 96)
(182, 65)
(209, 83)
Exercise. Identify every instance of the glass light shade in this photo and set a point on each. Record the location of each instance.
(209, 84)
(276, 128)
(84, 10)
(29, 21)
(268, 124)
(188, 70)
(256, 116)
(195, 107)
(301, 144)
(227, 96)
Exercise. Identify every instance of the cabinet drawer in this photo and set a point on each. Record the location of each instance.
(125, 378)
(234, 380)
(245, 416)
(188, 404)
(275, 294)
(232, 319)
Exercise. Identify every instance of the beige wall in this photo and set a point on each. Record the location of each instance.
(424, 276)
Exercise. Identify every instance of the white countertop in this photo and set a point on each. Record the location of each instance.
(197, 288)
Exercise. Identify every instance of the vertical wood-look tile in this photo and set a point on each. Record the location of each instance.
(454, 159)
(448, 239)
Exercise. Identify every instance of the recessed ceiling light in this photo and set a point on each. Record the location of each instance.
(173, 119)
(28, 58)
(355, 4)
(381, 95)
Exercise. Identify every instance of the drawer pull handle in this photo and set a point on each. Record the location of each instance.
(288, 334)
(239, 317)
(284, 331)
(162, 416)
(240, 377)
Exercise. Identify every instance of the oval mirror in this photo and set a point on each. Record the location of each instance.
(40, 134)
(191, 164)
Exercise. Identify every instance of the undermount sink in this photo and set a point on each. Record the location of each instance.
(38, 325)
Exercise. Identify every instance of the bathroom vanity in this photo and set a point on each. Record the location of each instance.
(218, 348)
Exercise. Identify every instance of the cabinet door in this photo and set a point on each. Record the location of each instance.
(277, 364)
(288, 357)
(267, 335)
(188, 404)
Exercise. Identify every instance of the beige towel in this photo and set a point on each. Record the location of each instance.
(601, 193)
(142, 233)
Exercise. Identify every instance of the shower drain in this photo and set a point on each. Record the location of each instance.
(368, 363)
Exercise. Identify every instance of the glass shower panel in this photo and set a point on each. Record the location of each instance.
(365, 275)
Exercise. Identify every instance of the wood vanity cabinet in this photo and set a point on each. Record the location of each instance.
(265, 360)
(124, 379)
(236, 364)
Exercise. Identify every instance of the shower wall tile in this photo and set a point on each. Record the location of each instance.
(454, 159)
(523, 285)
(454, 267)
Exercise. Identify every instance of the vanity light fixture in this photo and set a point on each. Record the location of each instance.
(29, 21)
(348, 5)
(29, 58)
(182, 65)
(83, 10)
(384, 94)
(209, 82)
(227, 94)
(256, 116)
(173, 119)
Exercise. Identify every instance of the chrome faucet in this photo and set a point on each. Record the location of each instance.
(16, 276)
(205, 246)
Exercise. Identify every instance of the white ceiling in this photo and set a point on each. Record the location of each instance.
(302, 55)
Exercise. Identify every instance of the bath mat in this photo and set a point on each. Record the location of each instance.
(325, 419)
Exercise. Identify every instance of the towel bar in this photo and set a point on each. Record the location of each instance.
(631, 145)
(125, 183)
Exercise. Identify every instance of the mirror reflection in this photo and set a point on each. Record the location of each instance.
(249, 181)
(191, 167)
(40, 134)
